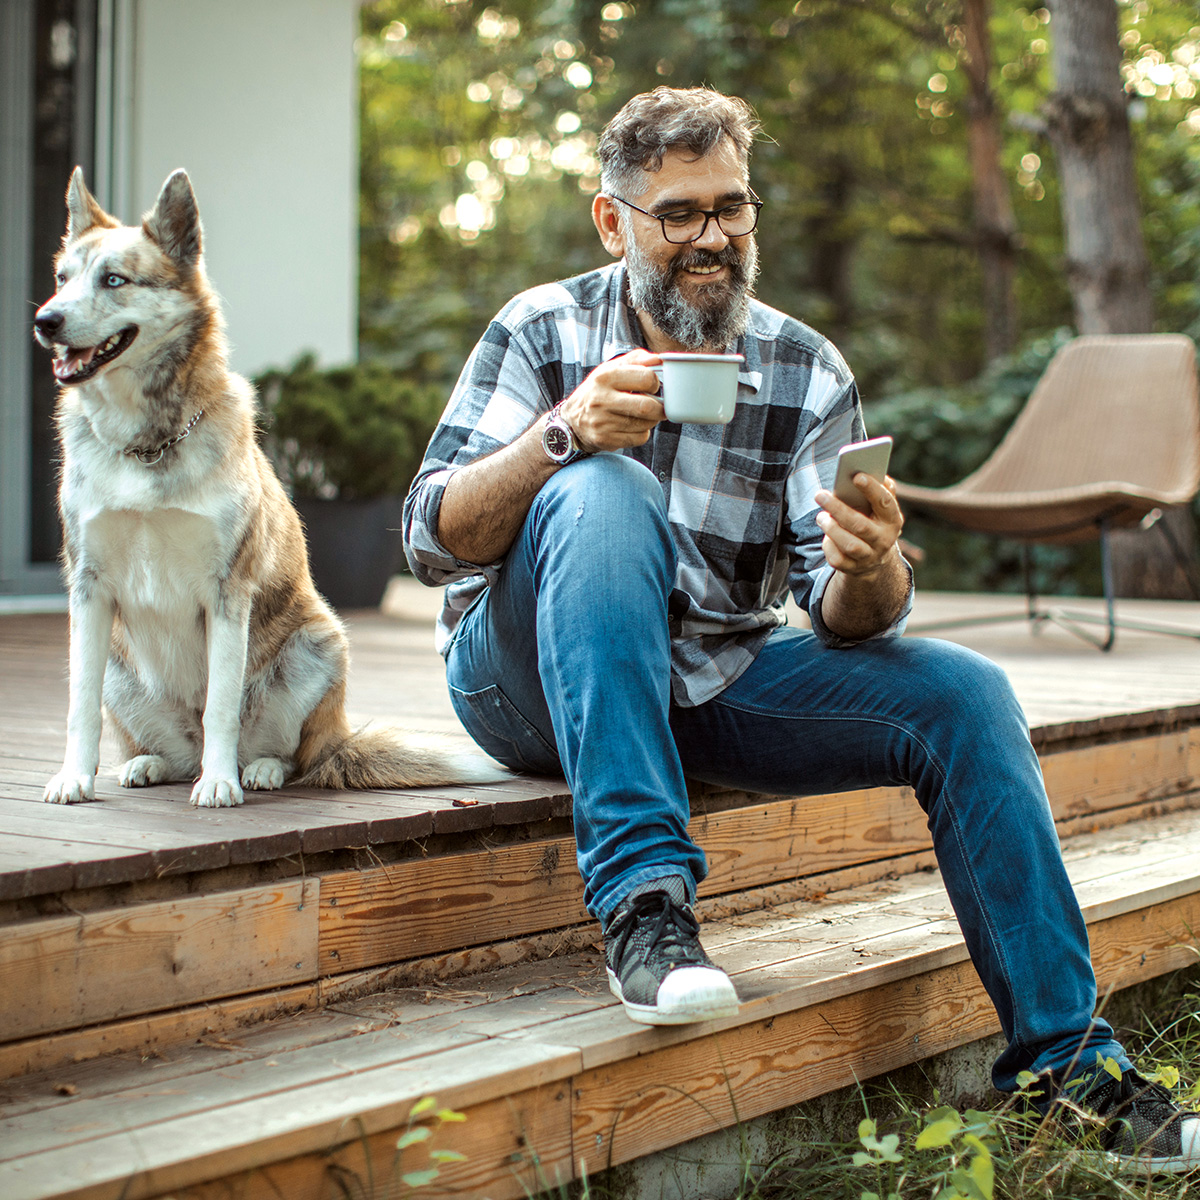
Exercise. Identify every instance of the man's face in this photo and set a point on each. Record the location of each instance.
(696, 295)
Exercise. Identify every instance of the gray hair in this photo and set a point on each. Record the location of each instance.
(692, 119)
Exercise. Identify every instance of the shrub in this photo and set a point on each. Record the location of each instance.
(354, 432)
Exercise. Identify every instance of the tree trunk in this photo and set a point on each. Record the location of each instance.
(1108, 271)
(995, 224)
(1107, 268)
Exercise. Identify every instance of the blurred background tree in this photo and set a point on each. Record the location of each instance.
(913, 195)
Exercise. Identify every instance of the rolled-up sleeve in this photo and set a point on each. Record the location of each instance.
(496, 399)
(813, 468)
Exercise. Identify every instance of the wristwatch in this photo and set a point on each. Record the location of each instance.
(559, 441)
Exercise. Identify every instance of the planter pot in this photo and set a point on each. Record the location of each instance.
(354, 547)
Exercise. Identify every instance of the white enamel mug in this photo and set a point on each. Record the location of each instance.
(699, 388)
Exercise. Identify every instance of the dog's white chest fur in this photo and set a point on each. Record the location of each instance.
(148, 559)
(160, 569)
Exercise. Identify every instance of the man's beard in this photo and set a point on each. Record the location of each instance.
(723, 313)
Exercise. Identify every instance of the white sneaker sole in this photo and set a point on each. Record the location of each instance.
(1136, 1164)
(687, 996)
(1164, 1164)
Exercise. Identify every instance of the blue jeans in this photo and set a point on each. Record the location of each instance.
(564, 666)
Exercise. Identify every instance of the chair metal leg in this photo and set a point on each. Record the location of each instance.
(1182, 561)
(1067, 619)
(1111, 619)
(1036, 616)
(1107, 576)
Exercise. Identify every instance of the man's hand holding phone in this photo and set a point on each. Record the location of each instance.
(861, 518)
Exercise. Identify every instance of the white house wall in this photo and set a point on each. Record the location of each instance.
(257, 99)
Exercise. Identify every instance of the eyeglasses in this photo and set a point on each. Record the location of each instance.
(690, 224)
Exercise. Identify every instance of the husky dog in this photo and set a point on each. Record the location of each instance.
(194, 619)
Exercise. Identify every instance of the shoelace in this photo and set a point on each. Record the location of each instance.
(674, 928)
(1121, 1099)
(1114, 1097)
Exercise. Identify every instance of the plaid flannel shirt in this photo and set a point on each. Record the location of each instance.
(739, 496)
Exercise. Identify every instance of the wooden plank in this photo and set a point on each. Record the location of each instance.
(415, 908)
(1080, 782)
(784, 961)
(90, 865)
(783, 839)
(179, 841)
(101, 966)
(663, 1097)
(148, 1032)
(164, 1095)
(227, 1016)
(34, 868)
(668, 1095)
(636, 1086)
(419, 907)
(307, 1047)
(513, 1148)
(307, 1121)
(431, 972)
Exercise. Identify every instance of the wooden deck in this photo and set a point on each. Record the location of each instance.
(434, 942)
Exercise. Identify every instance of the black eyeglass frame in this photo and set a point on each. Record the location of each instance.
(713, 214)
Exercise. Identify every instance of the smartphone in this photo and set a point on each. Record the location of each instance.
(871, 458)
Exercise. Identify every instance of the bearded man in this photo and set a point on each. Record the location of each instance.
(615, 606)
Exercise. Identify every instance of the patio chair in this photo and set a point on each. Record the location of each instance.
(1109, 438)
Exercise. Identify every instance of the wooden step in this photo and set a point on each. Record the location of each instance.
(284, 940)
(552, 1078)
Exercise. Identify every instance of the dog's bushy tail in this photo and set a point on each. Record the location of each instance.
(384, 757)
(332, 755)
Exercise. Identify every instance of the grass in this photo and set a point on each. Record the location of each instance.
(893, 1140)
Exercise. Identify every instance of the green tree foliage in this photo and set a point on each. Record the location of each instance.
(479, 124)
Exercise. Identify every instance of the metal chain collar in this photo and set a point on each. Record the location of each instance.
(148, 456)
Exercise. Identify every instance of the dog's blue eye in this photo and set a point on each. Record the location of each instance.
(114, 281)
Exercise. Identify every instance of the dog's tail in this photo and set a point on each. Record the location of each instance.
(331, 755)
(385, 757)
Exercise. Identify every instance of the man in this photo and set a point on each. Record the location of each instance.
(614, 608)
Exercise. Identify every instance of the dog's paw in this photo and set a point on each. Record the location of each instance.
(264, 774)
(143, 771)
(213, 791)
(69, 788)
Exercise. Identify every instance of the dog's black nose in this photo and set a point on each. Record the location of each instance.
(48, 323)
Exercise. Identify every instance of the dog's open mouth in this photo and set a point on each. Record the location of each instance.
(74, 364)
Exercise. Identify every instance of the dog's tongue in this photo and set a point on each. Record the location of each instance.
(73, 361)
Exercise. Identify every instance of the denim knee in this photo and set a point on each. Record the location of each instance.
(965, 688)
(605, 504)
(610, 480)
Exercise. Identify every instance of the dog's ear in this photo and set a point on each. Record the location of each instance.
(174, 221)
(83, 212)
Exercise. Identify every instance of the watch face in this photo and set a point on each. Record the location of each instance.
(557, 443)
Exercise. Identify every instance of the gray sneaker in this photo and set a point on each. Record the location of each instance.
(1141, 1129)
(656, 965)
(1145, 1130)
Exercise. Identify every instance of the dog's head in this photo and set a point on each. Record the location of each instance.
(119, 286)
